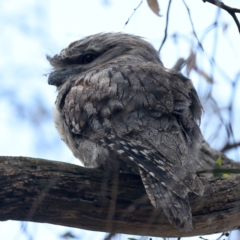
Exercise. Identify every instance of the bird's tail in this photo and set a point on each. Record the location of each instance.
(177, 209)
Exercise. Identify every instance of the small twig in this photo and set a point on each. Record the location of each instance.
(193, 29)
(203, 238)
(181, 62)
(230, 10)
(135, 9)
(166, 27)
(110, 236)
(229, 146)
(223, 235)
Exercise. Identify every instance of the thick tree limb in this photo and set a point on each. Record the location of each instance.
(207, 157)
(59, 193)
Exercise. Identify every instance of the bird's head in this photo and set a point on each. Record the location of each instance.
(97, 50)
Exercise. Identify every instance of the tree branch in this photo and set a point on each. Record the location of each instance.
(208, 156)
(46, 191)
(230, 10)
(230, 146)
(166, 27)
(193, 29)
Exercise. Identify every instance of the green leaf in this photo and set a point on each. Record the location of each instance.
(219, 161)
(218, 166)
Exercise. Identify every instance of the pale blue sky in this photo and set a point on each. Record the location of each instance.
(31, 29)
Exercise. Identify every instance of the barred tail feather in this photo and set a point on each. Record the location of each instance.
(177, 210)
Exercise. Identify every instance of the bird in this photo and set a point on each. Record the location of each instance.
(118, 108)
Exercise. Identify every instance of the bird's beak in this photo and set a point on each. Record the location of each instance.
(57, 78)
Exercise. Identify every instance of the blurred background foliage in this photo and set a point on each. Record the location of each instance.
(200, 32)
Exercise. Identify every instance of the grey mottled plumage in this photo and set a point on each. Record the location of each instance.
(118, 107)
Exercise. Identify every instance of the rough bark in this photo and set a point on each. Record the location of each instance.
(46, 191)
(207, 157)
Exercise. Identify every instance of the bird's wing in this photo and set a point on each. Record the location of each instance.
(148, 115)
(146, 106)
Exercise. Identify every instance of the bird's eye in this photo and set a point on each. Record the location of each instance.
(90, 57)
